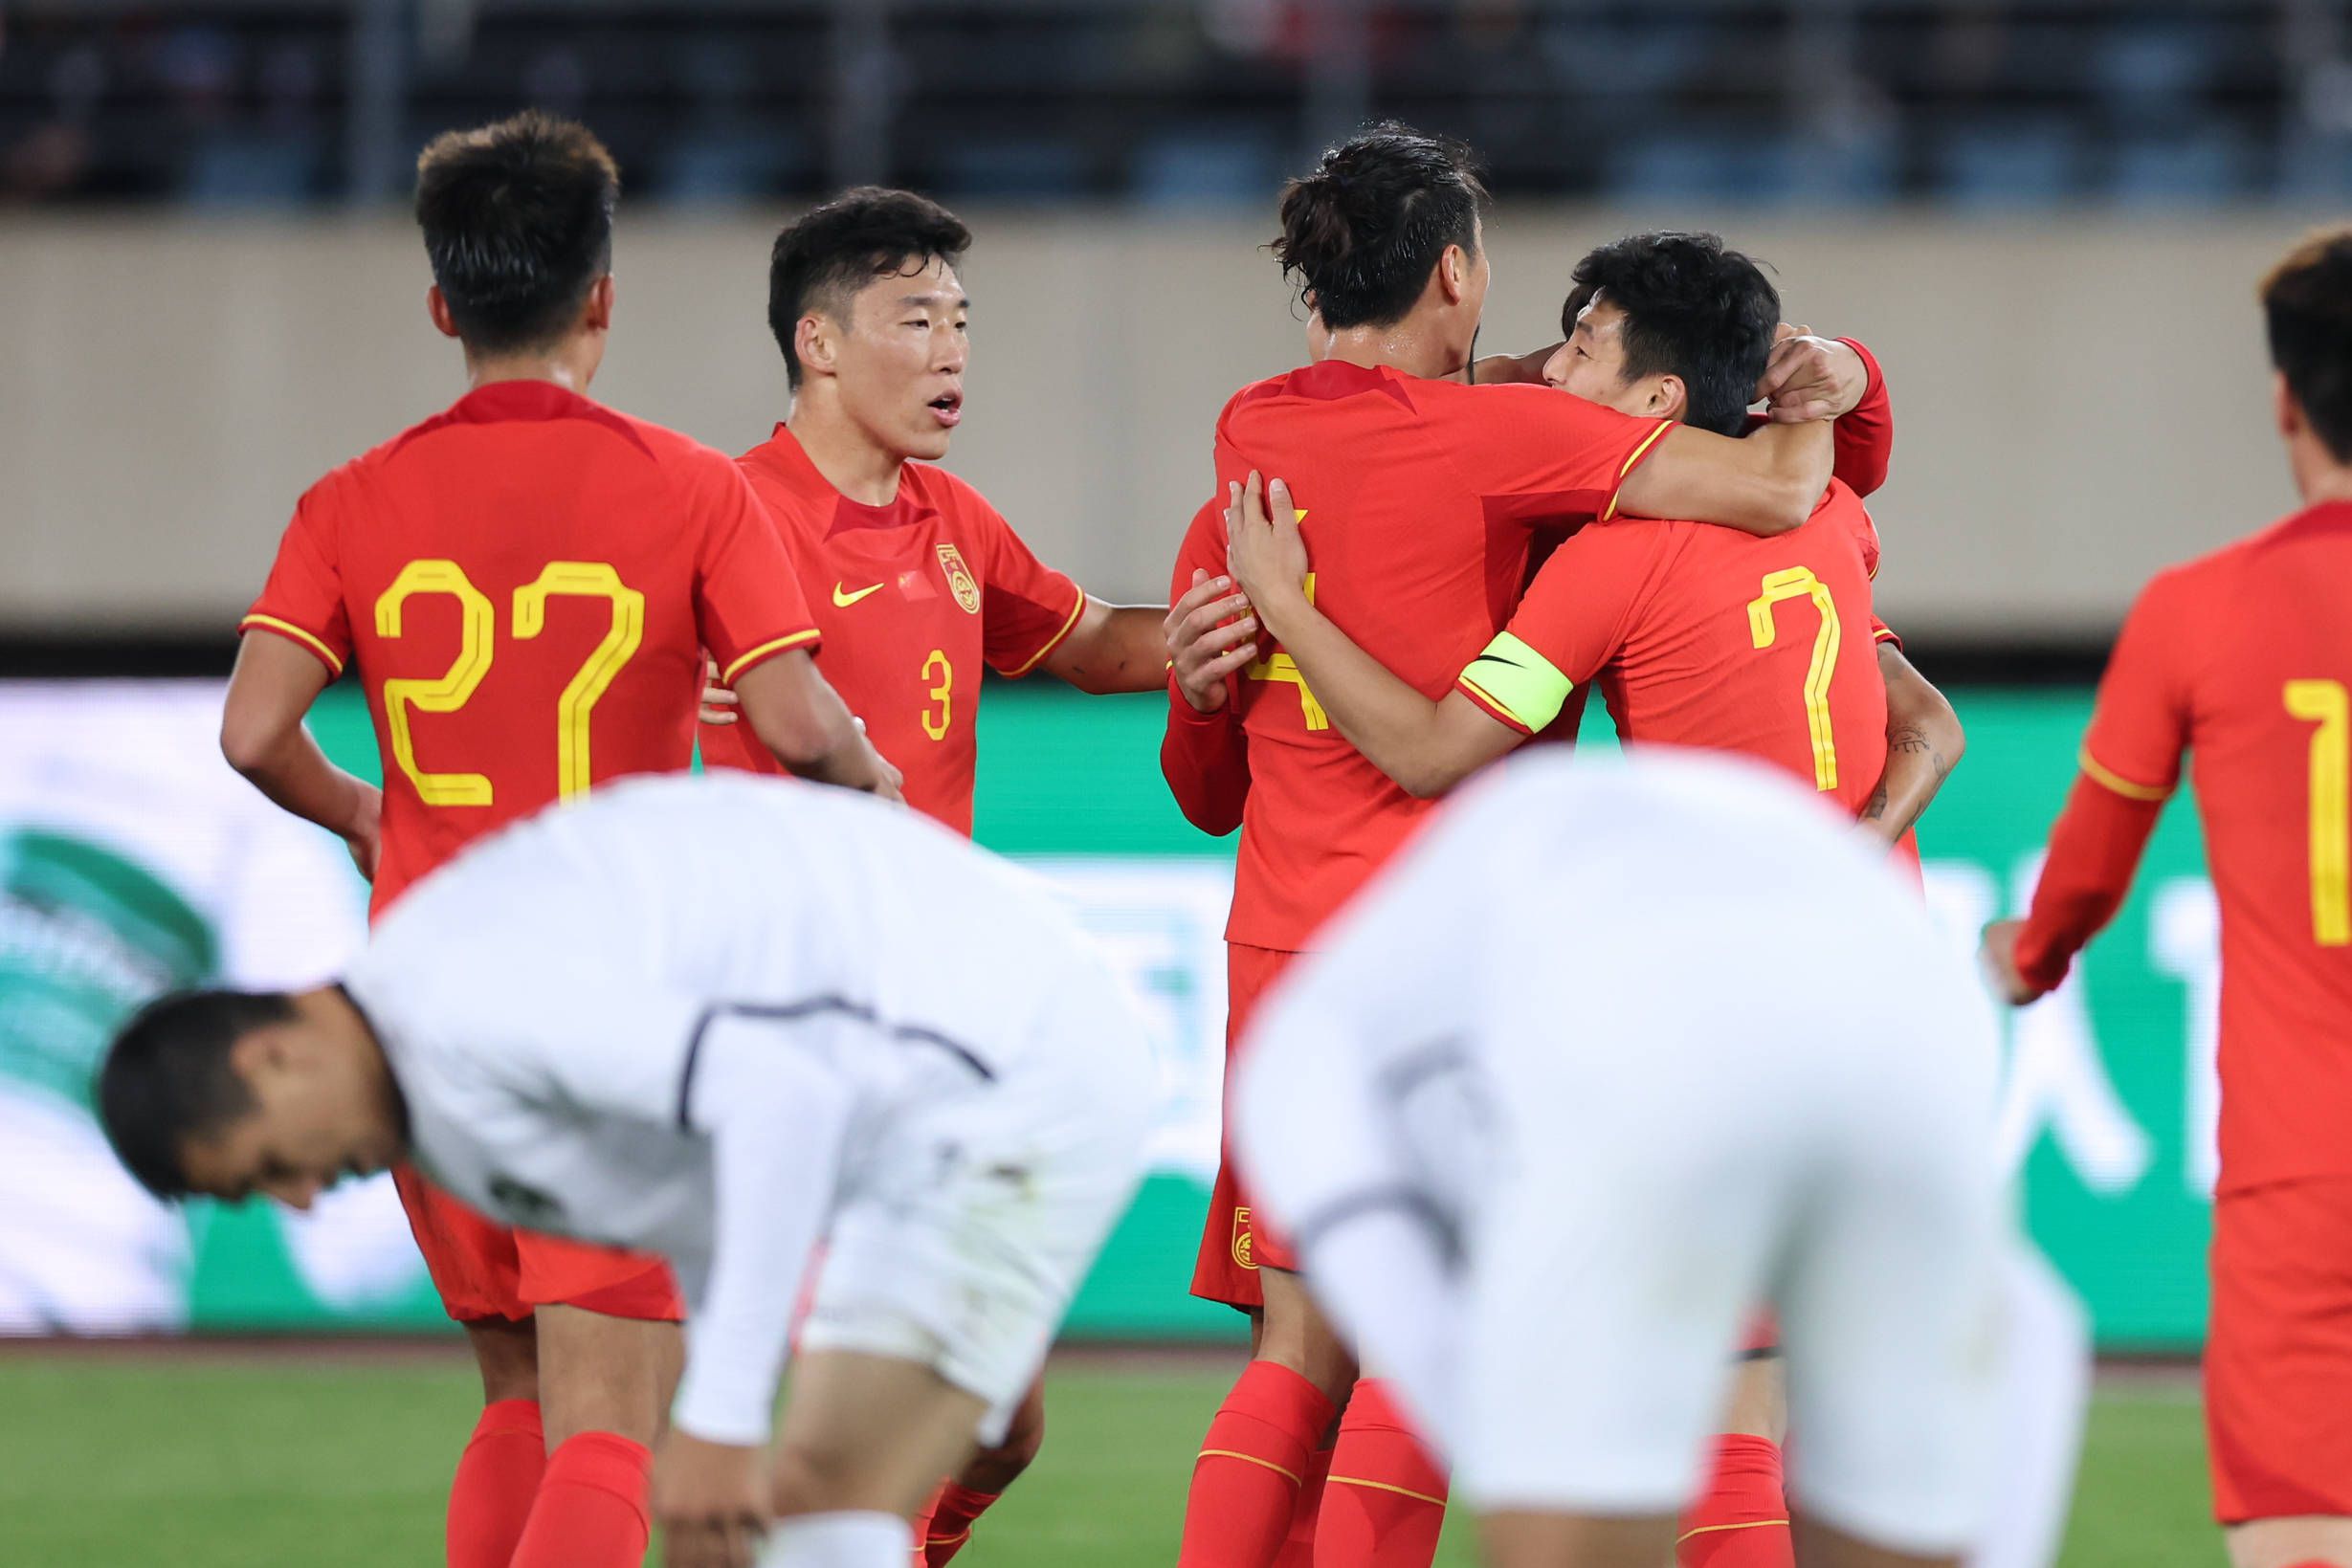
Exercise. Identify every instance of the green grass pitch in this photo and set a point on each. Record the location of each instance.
(252, 1459)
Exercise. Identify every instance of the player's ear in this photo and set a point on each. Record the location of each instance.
(1670, 398)
(598, 316)
(1453, 268)
(815, 343)
(2288, 413)
(436, 309)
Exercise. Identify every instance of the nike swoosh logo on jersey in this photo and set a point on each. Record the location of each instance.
(844, 599)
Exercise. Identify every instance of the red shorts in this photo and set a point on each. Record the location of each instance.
(2278, 1350)
(484, 1269)
(1233, 1248)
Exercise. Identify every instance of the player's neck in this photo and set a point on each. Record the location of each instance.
(2317, 475)
(851, 461)
(560, 366)
(1403, 346)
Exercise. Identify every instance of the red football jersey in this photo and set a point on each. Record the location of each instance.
(526, 582)
(1705, 636)
(912, 598)
(1418, 502)
(2244, 658)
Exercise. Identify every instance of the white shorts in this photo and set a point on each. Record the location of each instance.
(977, 1222)
(1611, 1274)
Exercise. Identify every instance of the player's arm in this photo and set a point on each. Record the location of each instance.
(1209, 636)
(263, 737)
(1513, 369)
(1924, 743)
(1839, 378)
(1114, 648)
(802, 720)
(1427, 747)
(2131, 762)
(1765, 484)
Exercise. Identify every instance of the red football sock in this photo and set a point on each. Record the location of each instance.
(498, 1477)
(1741, 1521)
(1387, 1500)
(1245, 1486)
(591, 1508)
(1298, 1552)
(948, 1524)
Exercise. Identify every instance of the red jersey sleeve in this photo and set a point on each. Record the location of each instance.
(2131, 762)
(1572, 620)
(748, 604)
(1538, 455)
(1205, 757)
(1025, 606)
(302, 601)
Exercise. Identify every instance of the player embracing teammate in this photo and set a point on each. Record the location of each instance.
(1426, 500)
(2243, 659)
(525, 585)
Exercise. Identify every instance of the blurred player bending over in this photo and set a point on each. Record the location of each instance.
(1431, 492)
(915, 579)
(525, 583)
(720, 1018)
(2244, 658)
(1598, 1064)
(1686, 628)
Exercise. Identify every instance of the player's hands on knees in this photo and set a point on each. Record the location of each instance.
(1209, 636)
(1263, 545)
(712, 1501)
(1810, 378)
(719, 702)
(1998, 956)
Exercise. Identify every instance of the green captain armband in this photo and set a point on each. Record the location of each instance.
(1517, 684)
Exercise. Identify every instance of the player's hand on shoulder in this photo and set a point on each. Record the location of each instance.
(1264, 546)
(1810, 378)
(719, 702)
(1998, 957)
(712, 1501)
(1209, 636)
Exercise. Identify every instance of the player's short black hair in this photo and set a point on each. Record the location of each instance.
(1693, 308)
(518, 221)
(1363, 232)
(2307, 306)
(168, 1078)
(825, 258)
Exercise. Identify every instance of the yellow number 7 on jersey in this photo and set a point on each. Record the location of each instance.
(479, 630)
(1800, 582)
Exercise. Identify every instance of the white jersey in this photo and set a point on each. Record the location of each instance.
(1613, 1056)
(709, 1017)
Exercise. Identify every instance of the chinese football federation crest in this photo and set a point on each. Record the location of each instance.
(1245, 1253)
(960, 579)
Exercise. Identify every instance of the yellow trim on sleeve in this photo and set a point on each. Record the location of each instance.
(1648, 441)
(2121, 785)
(307, 639)
(1520, 681)
(1053, 641)
(1383, 1486)
(1718, 1529)
(766, 649)
(1246, 1459)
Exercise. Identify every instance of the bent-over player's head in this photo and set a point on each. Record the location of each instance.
(232, 1093)
(863, 299)
(518, 221)
(2307, 306)
(1387, 227)
(1668, 326)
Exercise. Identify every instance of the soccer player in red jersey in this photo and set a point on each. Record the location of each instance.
(915, 579)
(1430, 491)
(917, 582)
(2244, 660)
(1692, 631)
(524, 586)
